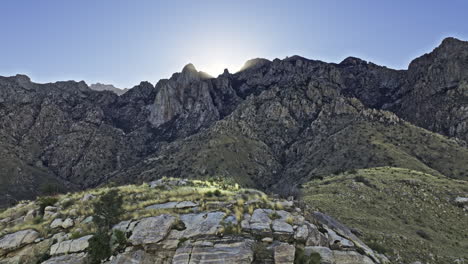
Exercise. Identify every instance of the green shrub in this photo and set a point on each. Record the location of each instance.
(120, 239)
(37, 220)
(274, 216)
(261, 253)
(217, 193)
(75, 235)
(365, 181)
(107, 210)
(377, 247)
(45, 201)
(67, 203)
(99, 248)
(301, 258)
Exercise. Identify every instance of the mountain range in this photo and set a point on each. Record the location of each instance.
(273, 125)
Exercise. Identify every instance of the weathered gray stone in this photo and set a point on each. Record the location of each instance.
(461, 200)
(261, 216)
(260, 222)
(301, 234)
(151, 230)
(122, 226)
(222, 252)
(79, 258)
(173, 205)
(68, 223)
(230, 220)
(29, 217)
(350, 257)
(70, 246)
(29, 254)
(334, 238)
(202, 224)
(284, 253)
(280, 226)
(325, 253)
(59, 237)
(316, 238)
(135, 257)
(58, 222)
(88, 197)
(16, 240)
(50, 212)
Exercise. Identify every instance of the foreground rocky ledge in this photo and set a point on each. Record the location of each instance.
(229, 226)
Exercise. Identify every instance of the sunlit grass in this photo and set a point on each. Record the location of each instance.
(209, 195)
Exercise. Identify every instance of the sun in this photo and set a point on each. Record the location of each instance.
(217, 68)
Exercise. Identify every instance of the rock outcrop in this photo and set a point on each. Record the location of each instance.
(241, 231)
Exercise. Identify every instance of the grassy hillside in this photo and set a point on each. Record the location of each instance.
(406, 214)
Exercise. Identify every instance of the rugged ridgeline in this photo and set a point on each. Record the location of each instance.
(178, 221)
(108, 87)
(281, 121)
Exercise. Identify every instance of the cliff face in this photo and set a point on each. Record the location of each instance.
(279, 122)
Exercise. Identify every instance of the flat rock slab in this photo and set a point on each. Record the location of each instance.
(151, 230)
(172, 205)
(80, 258)
(235, 252)
(70, 246)
(202, 224)
(135, 257)
(282, 227)
(261, 216)
(16, 240)
(350, 257)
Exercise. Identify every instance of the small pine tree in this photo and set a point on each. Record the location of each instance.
(107, 210)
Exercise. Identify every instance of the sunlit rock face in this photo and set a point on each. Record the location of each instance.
(185, 96)
(191, 100)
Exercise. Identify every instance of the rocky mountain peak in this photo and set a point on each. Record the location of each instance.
(21, 78)
(189, 68)
(254, 63)
(352, 61)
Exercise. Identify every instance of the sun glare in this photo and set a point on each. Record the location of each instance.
(215, 69)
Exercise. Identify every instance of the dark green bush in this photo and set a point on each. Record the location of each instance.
(107, 210)
(99, 248)
(377, 247)
(301, 258)
(45, 201)
(120, 239)
(261, 253)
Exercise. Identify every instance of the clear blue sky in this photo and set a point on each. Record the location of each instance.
(124, 42)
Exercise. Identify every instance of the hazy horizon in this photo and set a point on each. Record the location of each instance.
(124, 42)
